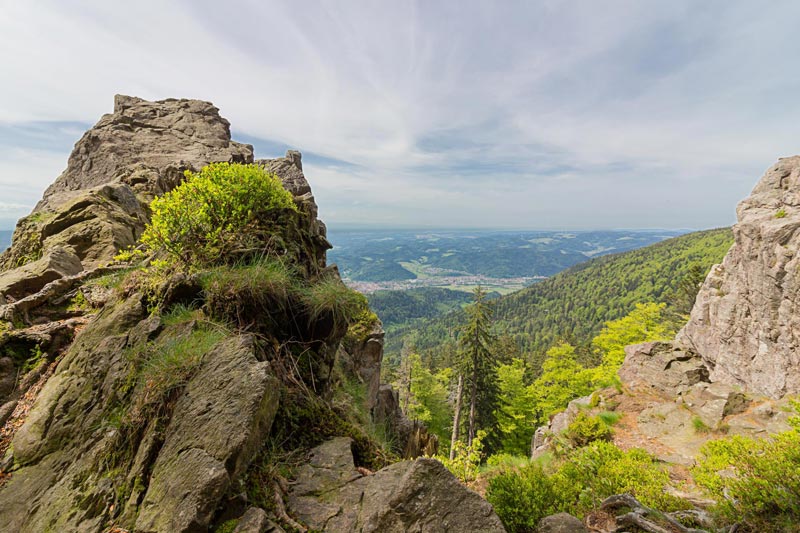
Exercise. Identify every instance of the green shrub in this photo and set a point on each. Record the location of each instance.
(521, 499)
(579, 484)
(595, 472)
(466, 459)
(586, 429)
(781, 213)
(217, 214)
(755, 481)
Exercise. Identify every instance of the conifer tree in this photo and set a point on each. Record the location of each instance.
(479, 365)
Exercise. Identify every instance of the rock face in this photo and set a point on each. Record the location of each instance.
(745, 323)
(98, 204)
(116, 414)
(663, 367)
(331, 495)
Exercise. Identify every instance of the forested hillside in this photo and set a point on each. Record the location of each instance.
(574, 304)
(397, 308)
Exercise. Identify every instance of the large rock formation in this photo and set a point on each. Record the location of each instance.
(116, 415)
(99, 203)
(745, 323)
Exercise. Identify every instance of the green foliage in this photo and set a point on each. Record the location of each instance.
(226, 527)
(479, 367)
(522, 498)
(171, 363)
(609, 418)
(755, 481)
(586, 429)
(599, 470)
(429, 399)
(516, 416)
(362, 324)
(466, 458)
(270, 292)
(217, 214)
(78, 302)
(397, 308)
(562, 379)
(578, 484)
(781, 213)
(506, 460)
(645, 323)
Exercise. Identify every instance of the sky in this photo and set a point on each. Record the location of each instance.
(530, 114)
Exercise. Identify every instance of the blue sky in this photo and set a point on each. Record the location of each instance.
(549, 114)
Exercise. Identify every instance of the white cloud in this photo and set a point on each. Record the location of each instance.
(624, 113)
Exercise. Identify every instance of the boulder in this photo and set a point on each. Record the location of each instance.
(661, 366)
(712, 402)
(330, 494)
(31, 277)
(216, 429)
(745, 323)
(561, 523)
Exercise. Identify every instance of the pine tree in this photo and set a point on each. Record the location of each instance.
(479, 365)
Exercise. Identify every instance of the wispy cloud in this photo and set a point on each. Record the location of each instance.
(534, 114)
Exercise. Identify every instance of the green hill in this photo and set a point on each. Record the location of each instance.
(574, 304)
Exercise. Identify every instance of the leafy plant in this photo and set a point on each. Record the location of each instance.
(755, 481)
(466, 458)
(781, 213)
(586, 429)
(522, 498)
(217, 215)
(578, 484)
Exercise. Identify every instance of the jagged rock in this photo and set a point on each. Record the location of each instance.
(218, 424)
(661, 366)
(712, 402)
(57, 263)
(331, 495)
(561, 523)
(97, 205)
(745, 323)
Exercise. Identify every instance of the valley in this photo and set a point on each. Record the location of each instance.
(499, 261)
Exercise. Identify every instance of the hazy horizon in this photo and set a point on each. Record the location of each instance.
(542, 115)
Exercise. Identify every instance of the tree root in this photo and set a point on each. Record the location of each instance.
(642, 517)
(280, 509)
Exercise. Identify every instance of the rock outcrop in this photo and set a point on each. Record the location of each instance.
(745, 323)
(99, 203)
(330, 494)
(118, 415)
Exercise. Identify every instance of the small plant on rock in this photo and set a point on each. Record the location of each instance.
(220, 213)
